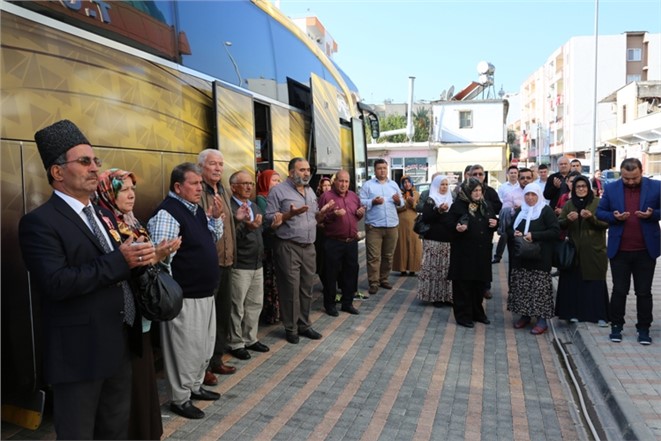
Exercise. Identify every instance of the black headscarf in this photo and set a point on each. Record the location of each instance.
(581, 203)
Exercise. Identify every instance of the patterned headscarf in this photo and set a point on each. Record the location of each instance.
(467, 188)
(438, 197)
(110, 183)
(264, 181)
(321, 183)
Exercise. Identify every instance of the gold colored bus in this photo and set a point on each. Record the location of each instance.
(151, 84)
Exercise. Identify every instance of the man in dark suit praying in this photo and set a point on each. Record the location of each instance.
(80, 269)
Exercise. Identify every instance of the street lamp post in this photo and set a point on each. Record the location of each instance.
(236, 67)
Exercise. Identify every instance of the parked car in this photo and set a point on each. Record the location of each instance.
(608, 176)
(422, 186)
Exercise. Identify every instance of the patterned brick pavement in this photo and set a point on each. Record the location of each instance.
(400, 370)
(623, 379)
(403, 370)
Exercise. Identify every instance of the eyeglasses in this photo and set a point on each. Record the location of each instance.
(249, 184)
(85, 161)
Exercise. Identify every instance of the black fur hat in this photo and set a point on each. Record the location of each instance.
(56, 139)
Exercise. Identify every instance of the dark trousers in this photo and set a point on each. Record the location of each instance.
(340, 259)
(223, 309)
(641, 266)
(97, 409)
(467, 297)
(500, 246)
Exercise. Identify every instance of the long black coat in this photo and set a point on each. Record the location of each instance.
(545, 230)
(438, 229)
(470, 251)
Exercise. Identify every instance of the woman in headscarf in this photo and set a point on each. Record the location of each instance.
(323, 186)
(582, 291)
(408, 252)
(266, 180)
(531, 288)
(319, 243)
(433, 283)
(116, 192)
(472, 222)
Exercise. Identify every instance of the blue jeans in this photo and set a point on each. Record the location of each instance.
(641, 266)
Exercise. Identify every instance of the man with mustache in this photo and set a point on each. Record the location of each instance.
(294, 247)
(79, 269)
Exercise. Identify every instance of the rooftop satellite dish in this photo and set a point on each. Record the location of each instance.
(443, 95)
(450, 93)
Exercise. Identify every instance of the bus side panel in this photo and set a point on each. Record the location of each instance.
(18, 356)
(116, 99)
(346, 147)
(236, 131)
(291, 131)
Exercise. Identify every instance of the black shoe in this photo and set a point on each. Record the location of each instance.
(484, 320)
(495, 259)
(402, 273)
(466, 324)
(187, 410)
(292, 338)
(412, 273)
(332, 311)
(258, 347)
(350, 309)
(310, 333)
(205, 395)
(241, 353)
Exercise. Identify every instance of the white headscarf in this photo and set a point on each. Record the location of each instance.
(528, 212)
(436, 195)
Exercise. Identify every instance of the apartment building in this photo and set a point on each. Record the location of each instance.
(557, 99)
(637, 129)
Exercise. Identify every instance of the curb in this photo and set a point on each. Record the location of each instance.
(617, 413)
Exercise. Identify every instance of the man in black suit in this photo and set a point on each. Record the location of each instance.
(79, 268)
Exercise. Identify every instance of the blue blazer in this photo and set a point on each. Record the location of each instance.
(613, 200)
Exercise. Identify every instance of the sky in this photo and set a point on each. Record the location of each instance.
(440, 42)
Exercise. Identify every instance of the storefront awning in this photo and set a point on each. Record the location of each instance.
(455, 157)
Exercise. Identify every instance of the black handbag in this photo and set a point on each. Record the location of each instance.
(526, 250)
(564, 254)
(158, 296)
(419, 226)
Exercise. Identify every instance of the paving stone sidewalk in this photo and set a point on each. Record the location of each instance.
(623, 380)
(403, 370)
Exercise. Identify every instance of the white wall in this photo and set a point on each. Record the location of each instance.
(488, 124)
(579, 86)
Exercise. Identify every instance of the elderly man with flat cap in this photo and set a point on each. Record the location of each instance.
(79, 269)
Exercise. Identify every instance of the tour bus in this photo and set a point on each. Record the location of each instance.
(151, 84)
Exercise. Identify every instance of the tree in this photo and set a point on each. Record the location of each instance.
(421, 122)
(392, 122)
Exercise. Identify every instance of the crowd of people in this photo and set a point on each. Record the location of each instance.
(241, 262)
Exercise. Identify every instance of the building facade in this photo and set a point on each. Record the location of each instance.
(557, 99)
